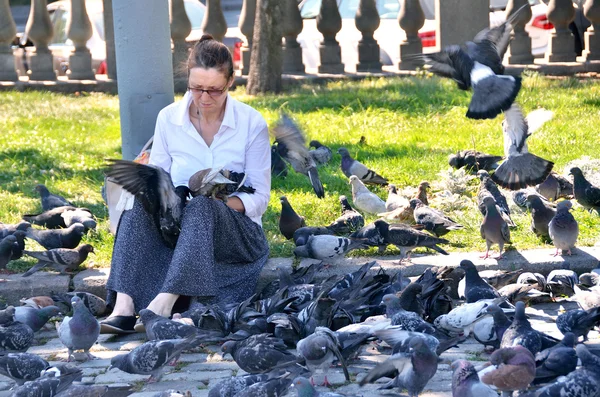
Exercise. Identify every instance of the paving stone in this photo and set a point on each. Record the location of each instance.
(92, 281)
(204, 377)
(118, 376)
(41, 283)
(180, 386)
(193, 357)
(212, 366)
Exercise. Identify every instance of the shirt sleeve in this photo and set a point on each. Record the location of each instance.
(258, 173)
(159, 155)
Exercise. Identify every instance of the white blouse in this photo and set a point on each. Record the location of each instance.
(240, 145)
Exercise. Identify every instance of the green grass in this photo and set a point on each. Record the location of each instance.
(411, 125)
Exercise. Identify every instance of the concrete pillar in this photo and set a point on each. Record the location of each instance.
(144, 67)
(291, 27)
(411, 18)
(8, 31)
(460, 20)
(246, 25)
(329, 22)
(367, 21)
(180, 30)
(79, 31)
(519, 48)
(591, 10)
(40, 31)
(561, 46)
(109, 36)
(214, 21)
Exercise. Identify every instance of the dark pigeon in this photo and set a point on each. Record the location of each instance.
(466, 383)
(561, 282)
(64, 260)
(541, 215)
(79, 332)
(555, 187)
(6, 229)
(521, 333)
(475, 287)
(589, 279)
(58, 238)
(259, 353)
(7, 315)
(320, 349)
(278, 166)
(18, 249)
(350, 220)
(410, 299)
(49, 200)
(351, 167)
(328, 247)
(515, 369)
(232, 386)
(15, 337)
(302, 234)
(79, 215)
(578, 322)
(289, 221)
(433, 221)
(35, 318)
(321, 154)
(371, 236)
(558, 360)
(474, 161)
(7, 245)
(22, 367)
(494, 229)
(406, 239)
(95, 304)
(585, 193)
(51, 219)
(52, 381)
(161, 328)
(563, 228)
(487, 188)
(408, 321)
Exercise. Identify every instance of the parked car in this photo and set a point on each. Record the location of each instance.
(62, 47)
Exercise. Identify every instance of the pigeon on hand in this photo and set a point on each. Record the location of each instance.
(328, 247)
(305, 389)
(541, 215)
(58, 238)
(79, 215)
(354, 167)
(64, 260)
(79, 332)
(555, 187)
(521, 168)
(49, 200)
(50, 219)
(22, 367)
(556, 361)
(95, 304)
(406, 239)
(487, 188)
(466, 383)
(153, 187)
(578, 322)
(494, 229)
(258, 353)
(319, 350)
(515, 369)
(301, 235)
(433, 220)
(422, 192)
(15, 337)
(474, 161)
(7, 245)
(585, 193)
(6, 229)
(289, 221)
(350, 220)
(563, 228)
(278, 166)
(363, 199)
(521, 333)
(291, 146)
(35, 318)
(475, 287)
(321, 154)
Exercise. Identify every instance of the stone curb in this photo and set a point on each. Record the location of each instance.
(537, 260)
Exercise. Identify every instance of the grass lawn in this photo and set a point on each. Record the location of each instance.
(411, 125)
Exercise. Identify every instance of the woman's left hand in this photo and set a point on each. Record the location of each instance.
(236, 204)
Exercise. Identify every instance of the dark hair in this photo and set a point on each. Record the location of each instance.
(209, 53)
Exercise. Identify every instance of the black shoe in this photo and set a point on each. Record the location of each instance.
(118, 325)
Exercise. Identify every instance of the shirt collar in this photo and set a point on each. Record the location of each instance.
(183, 106)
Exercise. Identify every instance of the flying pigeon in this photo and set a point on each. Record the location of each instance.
(278, 166)
(15, 337)
(475, 287)
(554, 187)
(433, 220)
(81, 331)
(558, 360)
(50, 219)
(58, 238)
(321, 153)
(328, 247)
(49, 200)
(521, 168)
(578, 322)
(563, 228)
(153, 187)
(291, 146)
(541, 215)
(474, 161)
(22, 367)
(585, 193)
(35, 318)
(289, 221)
(350, 220)
(351, 167)
(515, 369)
(487, 188)
(64, 260)
(466, 383)
(320, 349)
(258, 353)
(521, 333)
(494, 229)
(364, 200)
(405, 238)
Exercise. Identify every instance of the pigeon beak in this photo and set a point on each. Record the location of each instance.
(109, 368)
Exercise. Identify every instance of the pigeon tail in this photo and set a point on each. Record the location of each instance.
(493, 94)
(438, 249)
(35, 268)
(313, 175)
(518, 172)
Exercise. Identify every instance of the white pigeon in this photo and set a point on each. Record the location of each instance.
(363, 199)
(462, 319)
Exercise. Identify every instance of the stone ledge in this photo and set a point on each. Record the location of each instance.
(16, 287)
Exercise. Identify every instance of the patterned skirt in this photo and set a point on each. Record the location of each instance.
(218, 257)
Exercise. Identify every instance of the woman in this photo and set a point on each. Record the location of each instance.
(222, 248)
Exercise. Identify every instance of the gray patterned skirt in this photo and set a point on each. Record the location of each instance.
(218, 257)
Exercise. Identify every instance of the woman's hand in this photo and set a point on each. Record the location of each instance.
(236, 204)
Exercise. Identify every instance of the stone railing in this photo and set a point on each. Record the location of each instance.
(40, 65)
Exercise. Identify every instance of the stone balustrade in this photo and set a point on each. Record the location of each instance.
(39, 65)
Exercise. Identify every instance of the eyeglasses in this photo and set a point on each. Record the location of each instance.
(211, 93)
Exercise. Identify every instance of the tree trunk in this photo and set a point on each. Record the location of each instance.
(265, 60)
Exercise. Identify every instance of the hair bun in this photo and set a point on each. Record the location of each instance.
(205, 37)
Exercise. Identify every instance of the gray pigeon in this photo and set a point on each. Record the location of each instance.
(487, 188)
(58, 238)
(328, 247)
(563, 228)
(558, 360)
(521, 333)
(364, 200)
(15, 337)
(64, 260)
(475, 287)
(301, 235)
(371, 236)
(585, 193)
(408, 321)
(353, 167)
(466, 383)
(350, 220)
(49, 200)
(232, 386)
(406, 239)
(6, 229)
(272, 387)
(541, 215)
(321, 154)
(7, 245)
(81, 331)
(474, 161)
(305, 389)
(588, 299)
(161, 328)
(258, 353)
(7, 315)
(51, 219)
(22, 367)
(35, 318)
(150, 357)
(578, 322)
(433, 221)
(83, 390)
(95, 304)
(79, 215)
(52, 381)
(589, 279)
(494, 229)
(320, 349)
(555, 187)
(394, 200)
(289, 220)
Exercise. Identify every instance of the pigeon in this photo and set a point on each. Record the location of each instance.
(7, 315)
(15, 337)
(474, 161)
(232, 386)
(289, 221)
(22, 367)
(563, 228)
(394, 200)
(37, 302)
(475, 287)
(405, 238)
(351, 167)
(462, 319)
(588, 299)
(499, 278)
(585, 193)
(258, 353)
(494, 229)
(589, 279)
(561, 282)
(371, 237)
(541, 215)
(58, 238)
(150, 357)
(555, 187)
(321, 154)
(487, 188)
(51, 383)
(218, 183)
(501, 321)
(320, 349)
(433, 220)
(49, 200)
(521, 333)
(301, 235)
(328, 247)
(161, 328)
(6, 229)
(79, 332)
(350, 220)
(412, 370)
(51, 219)
(578, 322)
(291, 146)
(521, 168)
(305, 389)
(408, 321)
(79, 215)
(64, 260)
(515, 369)
(410, 299)
(7, 245)
(278, 166)
(422, 192)
(84, 390)
(35, 318)
(466, 383)
(529, 294)
(95, 304)
(363, 199)
(556, 361)
(153, 187)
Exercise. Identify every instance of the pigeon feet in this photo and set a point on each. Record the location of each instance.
(326, 382)
(486, 255)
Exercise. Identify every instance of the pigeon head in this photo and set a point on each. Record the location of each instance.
(78, 229)
(424, 185)
(588, 359)
(353, 180)
(119, 361)
(76, 302)
(87, 248)
(343, 200)
(453, 160)
(391, 301)
(50, 311)
(533, 200)
(382, 226)
(520, 311)
(89, 224)
(575, 171)
(392, 189)
(304, 388)
(314, 143)
(418, 344)
(343, 151)
(489, 202)
(415, 203)
(569, 339)
(23, 226)
(42, 189)
(467, 265)
(565, 205)
(462, 370)
(482, 174)
(229, 347)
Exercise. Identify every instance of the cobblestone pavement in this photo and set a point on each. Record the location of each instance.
(198, 371)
